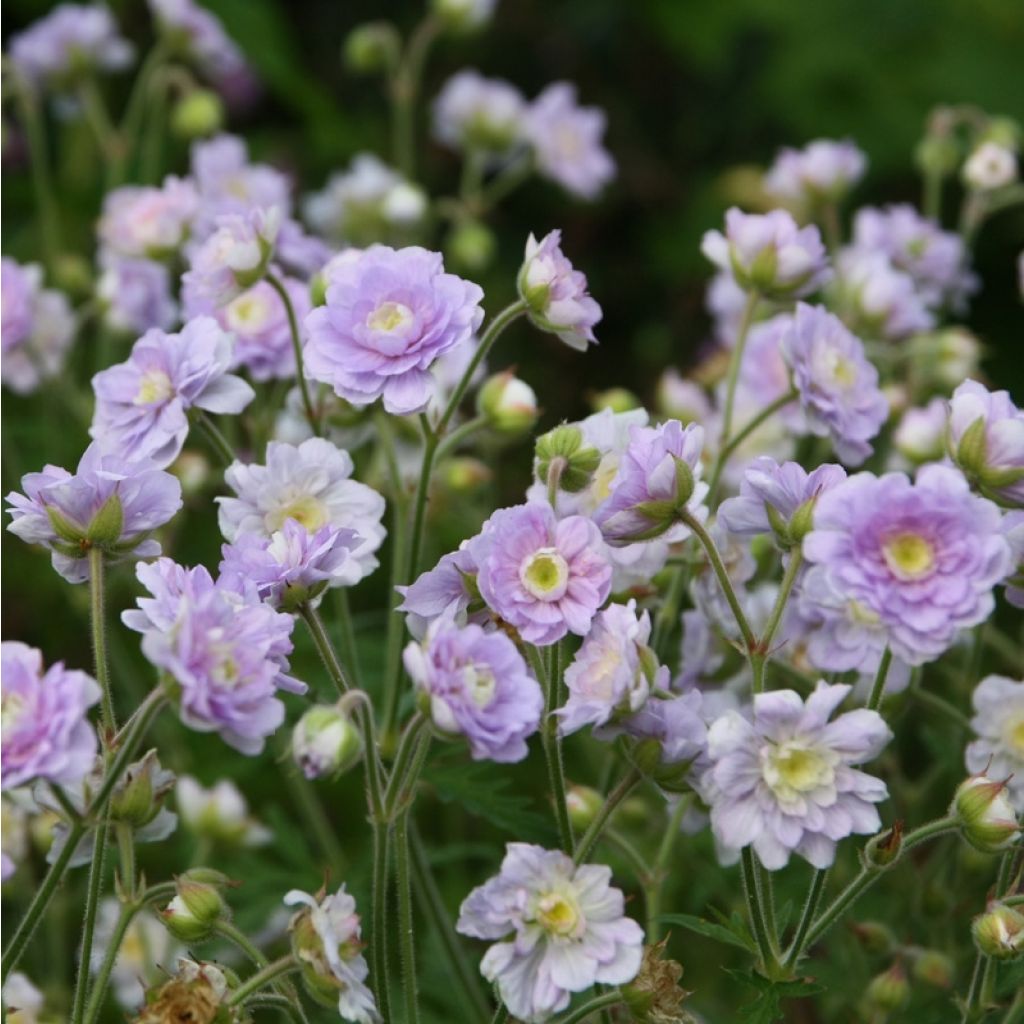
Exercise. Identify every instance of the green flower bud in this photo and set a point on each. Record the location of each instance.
(970, 453)
(938, 155)
(192, 913)
(372, 48)
(140, 794)
(986, 817)
(874, 936)
(577, 462)
(934, 968)
(616, 399)
(471, 245)
(583, 804)
(1003, 131)
(326, 741)
(999, 932)
(107, 524)
(461, 15)
(197, 115)
(508, 403)
(888, 991)
(72, 274)
(883, 849)
(464, 474)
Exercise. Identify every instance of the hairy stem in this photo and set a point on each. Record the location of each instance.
(293, 326)
(626, 786)
(99, 638)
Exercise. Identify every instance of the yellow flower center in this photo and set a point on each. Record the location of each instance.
(1015, 735)
(861, 614)
(557, 914)
(545, 574)
(909, 555)
(248, 313)
(10, 710)
(601, 486)
(791, 768)
(480, 684)
(154, 387)
(389, 317)
(306, 509)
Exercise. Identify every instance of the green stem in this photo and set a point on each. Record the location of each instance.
(406, 936)
(814, 895)
(349, 656)
(878, 686)
(39, 162)
(764, 647)
(262, 978)
(658, 872)
(99, 987)
(931, 200)
(217, 441)
(131, 122)
(755, 907)
(746, 321)
(552, 750)
(378, 941)
(458, 435)
(626, 786)
(708, 543)
(409, 761)
(98, 118)
(940, 704)
(126, 857)
(312, 810)
(93, 892)
(293, 326)
(588, 1009)
(404, 88)
(325, 649)
(99, 638)
(669, 610)
(505, 182)
(431, 440)
(241, 940)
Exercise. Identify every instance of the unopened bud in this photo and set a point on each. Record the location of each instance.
(326, 741)
(471, 245)
(140, 794)
(999, 932)
(934, 968)
(578, 461)
(883, 849)
(986, 817)
(463, 15)
(583, 804)
(874, 936)
(888, 991)
(371, 48)
(72, 274)
(937, 155)
(192, 913)
(198, 114)
(464, 474)
(616, 399)
(508, 403)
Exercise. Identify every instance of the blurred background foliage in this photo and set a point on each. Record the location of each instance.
(695, 92)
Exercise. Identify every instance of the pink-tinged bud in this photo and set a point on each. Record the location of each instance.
(986, 817)
(583, 804)
(999, 932)
(888, 991)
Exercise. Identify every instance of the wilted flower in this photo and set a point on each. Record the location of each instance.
(195, 993)
(72, 41)
(326, 940)
(878, 299)
(986, 440)
(998, 723)
(107, 503)
(476, 684)
(767, 253)
(38, 327)
(785, 782)
(135, 294)
(566, 140)
(142, 404)
(545, 577)
(219, 813)
(310, 483)
(294, 566)
(564, 929)
(658, 481)
(990, 166)
(46, 730)
(987, 818)
(613, 672)
(146, 221)
(556, 294)
(837, 385)
(823, 171)
(479, 114)
(325, 741)
(389, 315)
(234, 257)
(917, 561)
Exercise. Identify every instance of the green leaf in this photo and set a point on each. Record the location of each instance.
(702, 926)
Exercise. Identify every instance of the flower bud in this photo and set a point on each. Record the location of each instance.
(655, 996)
(583, 804)
(934, 968)
(986, 817)
(874, 936)
(195, 993)
(463, 15)
(471, 245)
(140, 794)
(107, 525)
(578, 462)
(888, 991)
(937, 155)
(192, 913)
(372, 48)
(72, 274)
(326, 741)
(990, 166)
(508, 403)
(616, 399)
(882, 850)
(198, 114)
(999, 932)
(464, 474)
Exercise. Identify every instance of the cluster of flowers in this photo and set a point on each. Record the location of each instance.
(882, 571)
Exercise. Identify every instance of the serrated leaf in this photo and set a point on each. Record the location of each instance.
(702, 926)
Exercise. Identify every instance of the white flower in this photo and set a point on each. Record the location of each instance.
(219, 813)
(22, 1000)
(990, 166)
(998, 723)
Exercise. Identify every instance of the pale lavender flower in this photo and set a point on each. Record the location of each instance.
(920, 435)
(389, 315)
(298, 252)
(556, 293)
(234, 256)
(72, 41)
(567, 141)
(882, 301)
(786, 782)
(38, 328)
(108, 502)
(135, 294)
(199, 36)
(142, 404)
(986, 440)
(46, 730)
(310, 483)
(918, 561)
(764, 375)
(327, 940)
(364, 203)
(294, 566)
(226, 653)
(146, 221)
(725, 300)
(677, 724)
(778, 499)
(937, 260)
(823, 171)
(613, 672)
(564, 928)
(444, 590)
(479, 114)
(768, 253)
(998, 723)
(658, 478)
(838, 386)
(545, 577)
(476, 684)
(259, 322)
(1013, 531)
(680, 398)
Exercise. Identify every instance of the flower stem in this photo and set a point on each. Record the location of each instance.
(99, 987)
(755, 907)
(379, 941)
(99, 638)
(458, 435)
(814, 895)
(552, 749)
(93, 892)
(657, 874)
(405, 761)
(669, 610)
(588, 1009)
(626, 786)
(218, 442)
(764, 646)
(262, 978)
(39, 162)
(241, 940)
(734, 366)
(293, 326)
(404, 88)
(406, 936)
(878, 686)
